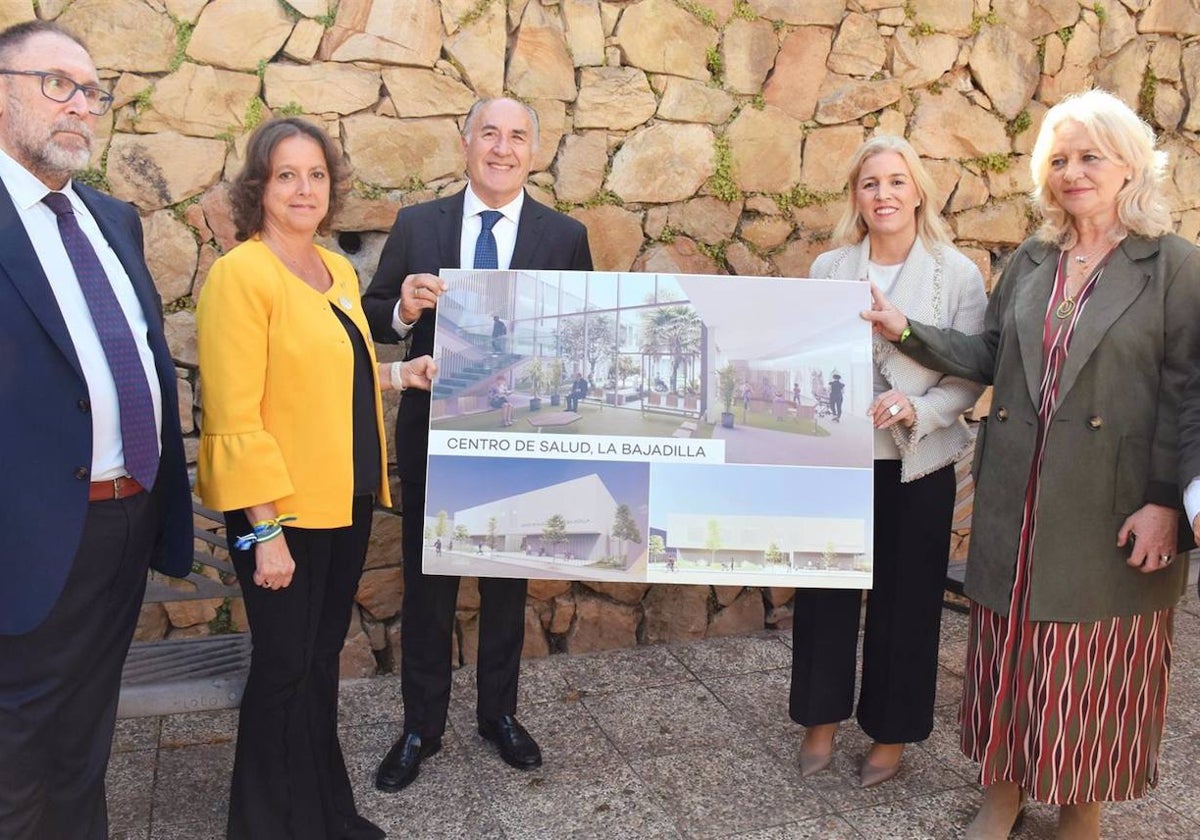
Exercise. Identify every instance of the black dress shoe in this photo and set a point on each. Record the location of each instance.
(400, 766)
(517, 748)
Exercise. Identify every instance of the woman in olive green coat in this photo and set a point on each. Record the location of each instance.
(1088, 340)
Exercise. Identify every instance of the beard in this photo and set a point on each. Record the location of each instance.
(43, 150)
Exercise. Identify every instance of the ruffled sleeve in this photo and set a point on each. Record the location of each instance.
(240, 462)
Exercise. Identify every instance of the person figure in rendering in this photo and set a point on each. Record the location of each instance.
(837, 389)
(1090, 338)
(95, 486)
(499, 331)
(492, 223)
(578, 391)
(893, 237)
(498, 398)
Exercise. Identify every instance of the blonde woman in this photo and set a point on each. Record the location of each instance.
(893, 238)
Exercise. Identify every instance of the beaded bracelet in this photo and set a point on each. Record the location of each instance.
(263, 531)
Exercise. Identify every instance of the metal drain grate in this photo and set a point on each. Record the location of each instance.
(186, 675)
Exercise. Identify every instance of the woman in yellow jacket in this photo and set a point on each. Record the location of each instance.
(292, 449)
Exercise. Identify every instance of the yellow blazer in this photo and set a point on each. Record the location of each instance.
(276, 370)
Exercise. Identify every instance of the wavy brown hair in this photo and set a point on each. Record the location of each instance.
(246, 192)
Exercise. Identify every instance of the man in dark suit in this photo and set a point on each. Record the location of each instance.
(1189, 452)
(95, 484)
(493, 223)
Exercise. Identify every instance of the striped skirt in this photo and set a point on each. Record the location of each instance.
(1072, 713)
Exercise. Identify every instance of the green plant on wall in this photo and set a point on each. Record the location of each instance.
(183, 36)
(473, 14)
(1018, 124)
(995, 162)
(721, 184)
(715, 63)
(256, 112)
(978, 20)
(1149, 86)
(701, 13)
(742, 9)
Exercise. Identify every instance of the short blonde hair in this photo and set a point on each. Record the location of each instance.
(1121, 136)
(930, 227)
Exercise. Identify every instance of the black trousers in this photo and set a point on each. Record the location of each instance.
(59, 684)
(427, 625)
(904, 617)
(289, 777)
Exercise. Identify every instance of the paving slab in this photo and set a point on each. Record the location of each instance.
(674, 741)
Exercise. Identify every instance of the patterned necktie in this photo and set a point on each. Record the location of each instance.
(139, 435)
(485, 245)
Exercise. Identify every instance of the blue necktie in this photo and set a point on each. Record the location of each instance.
(139, 434)
(485, 245)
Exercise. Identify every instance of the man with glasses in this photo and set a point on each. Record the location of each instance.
(94, 485)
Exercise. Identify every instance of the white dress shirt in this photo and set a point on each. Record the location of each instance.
(27, 192)
(505, 231)
(1191, 500)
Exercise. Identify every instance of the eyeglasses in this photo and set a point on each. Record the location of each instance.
(61, 89)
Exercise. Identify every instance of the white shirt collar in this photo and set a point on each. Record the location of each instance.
(24, 187)
(473, 205)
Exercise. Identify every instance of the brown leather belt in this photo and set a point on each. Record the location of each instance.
(114, 488)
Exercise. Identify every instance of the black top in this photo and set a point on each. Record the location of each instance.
(366, 432)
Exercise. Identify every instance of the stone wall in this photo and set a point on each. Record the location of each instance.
(704, 136)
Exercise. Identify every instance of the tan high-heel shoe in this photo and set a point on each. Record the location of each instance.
(1078, 822)
(871, 774)
(813, 760)
(1000, 813)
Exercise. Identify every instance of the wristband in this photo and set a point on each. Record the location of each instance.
(262, 531)
(396, 372)
(905, 334)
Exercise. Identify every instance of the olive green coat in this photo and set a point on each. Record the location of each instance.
(1111, 447)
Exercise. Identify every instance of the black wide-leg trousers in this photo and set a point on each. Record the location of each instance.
(903, 623)
(289, 776)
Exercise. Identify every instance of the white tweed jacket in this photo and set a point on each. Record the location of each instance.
(936, 286)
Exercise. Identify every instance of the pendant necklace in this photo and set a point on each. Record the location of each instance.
(1067, 306)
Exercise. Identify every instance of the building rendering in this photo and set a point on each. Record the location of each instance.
(516, 525)
(799, 542)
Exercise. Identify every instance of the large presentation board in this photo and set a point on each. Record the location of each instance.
(651, 427)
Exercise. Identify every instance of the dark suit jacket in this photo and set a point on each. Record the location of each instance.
(1189, 430)
(426, 239)
(1112, 441)
(46, 425)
